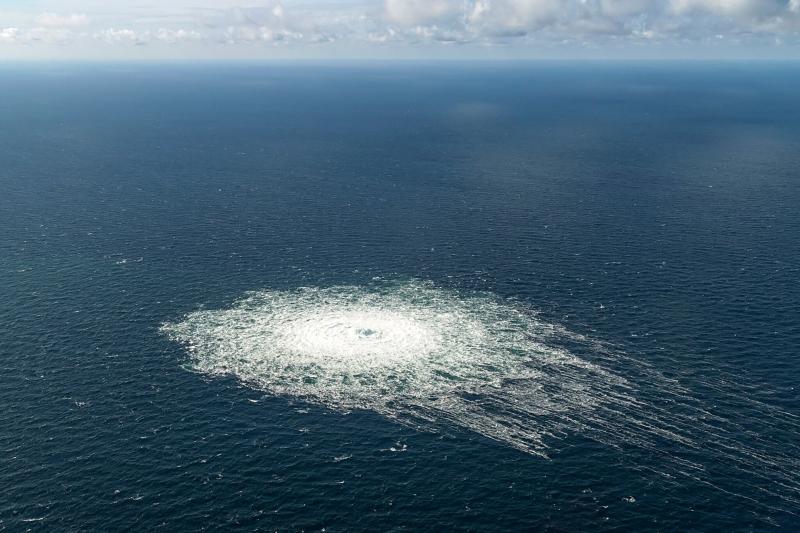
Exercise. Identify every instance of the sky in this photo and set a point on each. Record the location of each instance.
(401, 29)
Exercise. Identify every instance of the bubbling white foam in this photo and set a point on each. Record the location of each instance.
(357, 336)
(410, 351)
(432, 358)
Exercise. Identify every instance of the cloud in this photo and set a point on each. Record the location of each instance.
(369, 25)
(176, 36)
(501, 21)
(628, 8)
(8, 35)
(36, 36)
(267, 23)
(420, 12)
(127, 36)
(259, 34)
(54, 20)
(118, 36)
(511, 17)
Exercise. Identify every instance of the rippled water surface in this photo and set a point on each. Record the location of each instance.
(529, 296)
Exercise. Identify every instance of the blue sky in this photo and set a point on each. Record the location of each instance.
(537, 29)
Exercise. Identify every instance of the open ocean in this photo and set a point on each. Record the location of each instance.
(404, 297)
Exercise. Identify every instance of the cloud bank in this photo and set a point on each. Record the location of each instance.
(400, 27)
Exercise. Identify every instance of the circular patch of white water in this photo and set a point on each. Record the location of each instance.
(412, 352)
(433, 358)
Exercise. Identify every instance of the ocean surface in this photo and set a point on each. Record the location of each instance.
(404, 297)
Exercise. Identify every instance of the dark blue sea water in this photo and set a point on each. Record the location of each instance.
(650, 211)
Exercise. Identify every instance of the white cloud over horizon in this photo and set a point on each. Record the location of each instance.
(401, 28)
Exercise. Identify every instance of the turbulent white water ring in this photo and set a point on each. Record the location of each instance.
(410, 351)
(434, 358)
(357, 336)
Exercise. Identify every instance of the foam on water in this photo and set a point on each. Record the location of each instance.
(411, 352)
(436, 358)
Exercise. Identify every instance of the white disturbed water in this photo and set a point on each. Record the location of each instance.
(412, 352)
(431, 358)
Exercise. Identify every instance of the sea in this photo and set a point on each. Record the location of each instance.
(400, 296)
